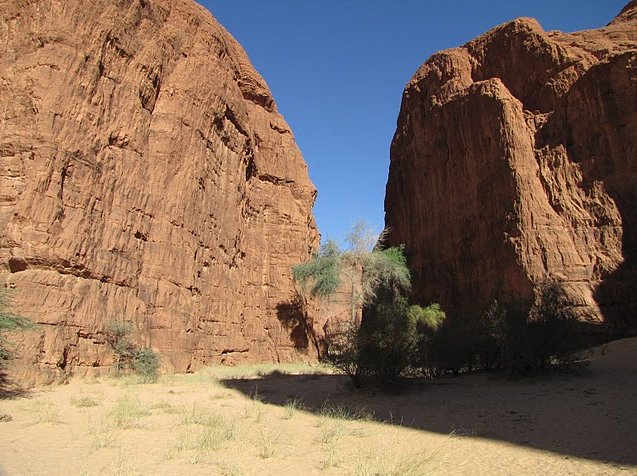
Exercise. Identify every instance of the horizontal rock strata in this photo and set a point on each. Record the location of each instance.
(145, 176)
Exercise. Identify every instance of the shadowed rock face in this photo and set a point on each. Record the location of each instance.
(515, 159)
(145, 175)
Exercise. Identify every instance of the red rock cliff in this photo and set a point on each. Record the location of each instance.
(145, 175)
(515, 159)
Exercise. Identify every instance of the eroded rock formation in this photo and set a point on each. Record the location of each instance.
(147, 176)
(514, 160)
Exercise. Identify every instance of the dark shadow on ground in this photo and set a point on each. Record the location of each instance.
(9, 388)
(592, 415)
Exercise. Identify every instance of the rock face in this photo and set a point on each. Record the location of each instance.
(147, 176)
(515, 160)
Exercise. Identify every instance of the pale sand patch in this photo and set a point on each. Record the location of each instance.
(229, 422)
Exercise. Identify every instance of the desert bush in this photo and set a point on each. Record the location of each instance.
(392, 334)
(9, 322)
(321, 276)
(452, 349)
(128, 357)
(118, 337)
(550, 335)
(391, 337)
(362, 270)
(521, 343)
(146, 364)
(387, 339)
(343, 352)
(492, 342)
(84, 402)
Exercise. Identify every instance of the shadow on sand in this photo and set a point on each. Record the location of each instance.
(592, 415)
(10, 389)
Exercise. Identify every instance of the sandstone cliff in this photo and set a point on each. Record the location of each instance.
(514, 160)
(147, 176)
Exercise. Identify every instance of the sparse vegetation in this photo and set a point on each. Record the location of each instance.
(522, 343)
(84, 402)
(144, 362)
(396, 339)
(268, 442)
(45, 412)
(174, 427)
(547, 337)
(292, 405)
(365, 269)
(9, 322)
(392, 333)
(128, 412)
(118, 337)
(101, 434)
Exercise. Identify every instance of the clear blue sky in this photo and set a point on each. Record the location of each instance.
(337, 69)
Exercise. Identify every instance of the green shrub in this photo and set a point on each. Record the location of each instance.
(128, 357)
(118, 337)
(343, 352)
(146, 364)
(522, 343)
(9, 322)
(388, 339)
(321, 276)
(452, 349)
(392, 336)
(550, 336)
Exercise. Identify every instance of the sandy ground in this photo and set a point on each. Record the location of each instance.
(229, 422)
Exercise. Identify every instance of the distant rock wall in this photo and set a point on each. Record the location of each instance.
(514, 160)
(145, 175)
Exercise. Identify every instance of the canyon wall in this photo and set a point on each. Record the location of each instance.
(145, 176)
(514, 161)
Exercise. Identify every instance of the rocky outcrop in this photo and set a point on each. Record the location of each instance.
(514, 160)
(146, 176)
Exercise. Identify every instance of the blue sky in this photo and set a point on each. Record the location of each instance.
(337, 69)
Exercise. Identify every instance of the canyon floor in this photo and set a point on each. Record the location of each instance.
(301, 419)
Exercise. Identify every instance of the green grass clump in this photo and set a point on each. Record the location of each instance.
(128, 412)
(45, 412)
(207, 432)
(292, 405)
(204, 416)
(84, 402)
(341, 412)
(268, 442)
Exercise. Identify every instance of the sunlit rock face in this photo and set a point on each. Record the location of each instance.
(515, 160)
(145, 176)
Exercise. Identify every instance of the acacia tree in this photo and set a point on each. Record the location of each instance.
(379, 280)
(363, 266)
(321, 276)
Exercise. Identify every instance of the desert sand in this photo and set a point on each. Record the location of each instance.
(304, 420)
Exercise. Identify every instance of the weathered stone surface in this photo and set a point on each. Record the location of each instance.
(514, 160)
(145, 175)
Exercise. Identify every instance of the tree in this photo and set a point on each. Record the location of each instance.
(321, 276)
(520, 341)
(392, 332)
(394, 335)
(365, 268)
(9, 322)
